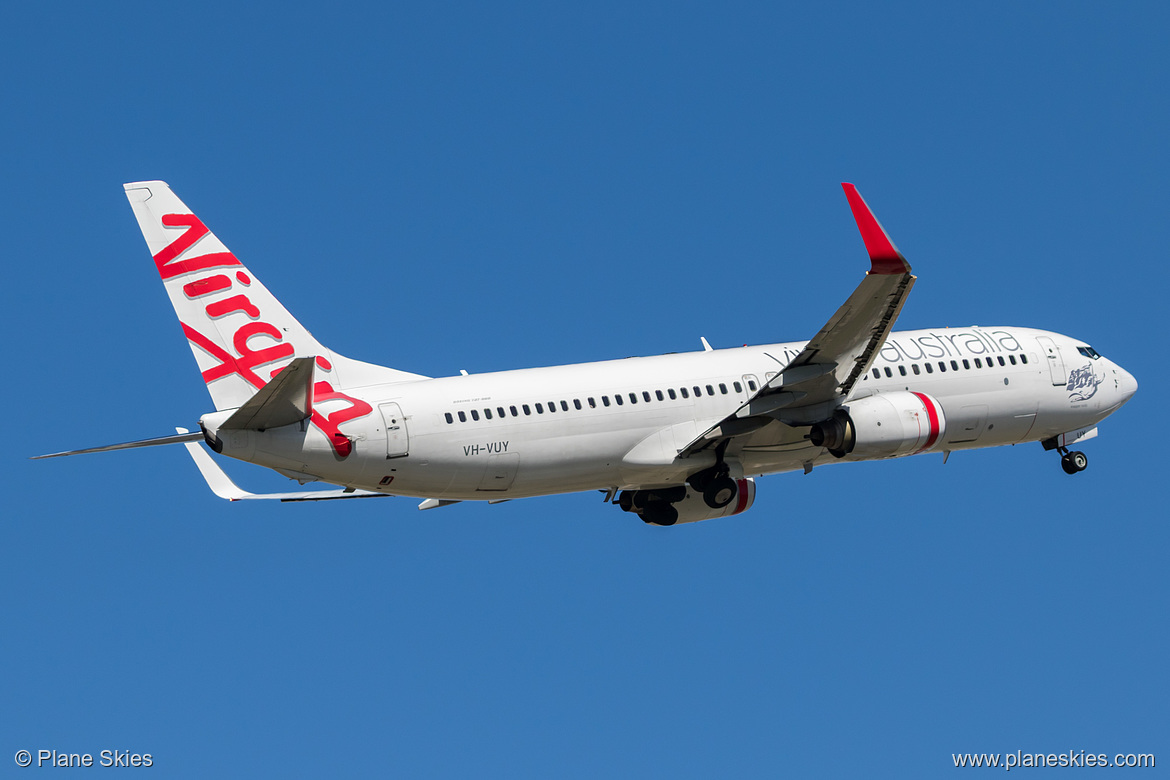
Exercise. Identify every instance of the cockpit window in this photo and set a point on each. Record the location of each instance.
(1088, 352)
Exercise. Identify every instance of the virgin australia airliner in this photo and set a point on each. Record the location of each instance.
(672, 439)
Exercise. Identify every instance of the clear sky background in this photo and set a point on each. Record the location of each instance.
(450, 187)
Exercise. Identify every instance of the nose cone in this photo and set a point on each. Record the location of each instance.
(1126, 384)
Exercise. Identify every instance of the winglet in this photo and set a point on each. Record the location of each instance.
(883, 255)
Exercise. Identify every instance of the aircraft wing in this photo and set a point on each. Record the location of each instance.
(823, 375)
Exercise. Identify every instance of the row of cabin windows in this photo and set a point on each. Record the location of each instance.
(954, 365)
(618, 399)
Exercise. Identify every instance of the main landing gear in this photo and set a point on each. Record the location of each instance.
(656, 507)
(715, 483)
(1072, 462)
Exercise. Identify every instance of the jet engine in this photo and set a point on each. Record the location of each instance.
(684, 504)
(886, 425)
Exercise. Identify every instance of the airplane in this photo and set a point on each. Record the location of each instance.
(673, 438)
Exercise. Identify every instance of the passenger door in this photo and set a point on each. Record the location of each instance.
(397, 437)
(1055, 361)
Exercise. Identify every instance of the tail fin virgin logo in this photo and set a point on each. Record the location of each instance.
(1082, 384)
(246, 364)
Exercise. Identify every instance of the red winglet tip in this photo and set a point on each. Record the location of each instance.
(883, 255)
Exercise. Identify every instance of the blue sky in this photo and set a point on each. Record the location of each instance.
(458, 187)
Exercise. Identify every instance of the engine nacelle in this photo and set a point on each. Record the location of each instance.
(886, 425)
(684, 504)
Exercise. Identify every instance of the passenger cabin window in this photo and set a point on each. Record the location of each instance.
(710, 390)
(605, 400)
(965, 363)
(1000, 359)
(902, 370)
(592, 403)
(752, 385)
(474, 415)
(552, 407)
(527, 411)
(576, 403)
(450, 419)
(633, 398)
(646, 396)
(914, 368)
(738, 387)
(512, 409)
(1024, 359)
(877, 374)
(954, 365)
(683, 390)
(698, 392)
(942, 366)
(658, 394)
(618, 399)
(462, 417)
(500, 410)
(929, 368)
(670, 392)
(980, 365)
(723, 388)
(889, 373)
(487, 414)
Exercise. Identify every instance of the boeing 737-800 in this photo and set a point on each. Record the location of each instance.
(674, 438)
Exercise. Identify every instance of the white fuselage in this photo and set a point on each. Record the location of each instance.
(561, 429)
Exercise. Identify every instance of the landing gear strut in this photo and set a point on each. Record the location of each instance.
(1072, 462)
(715, 483)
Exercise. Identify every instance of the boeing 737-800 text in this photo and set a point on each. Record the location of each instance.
(674, 438)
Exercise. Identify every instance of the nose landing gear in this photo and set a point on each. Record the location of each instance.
(1072, 462)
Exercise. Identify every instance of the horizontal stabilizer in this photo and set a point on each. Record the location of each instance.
(182, 438)
(222, 485)
(286, 399)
